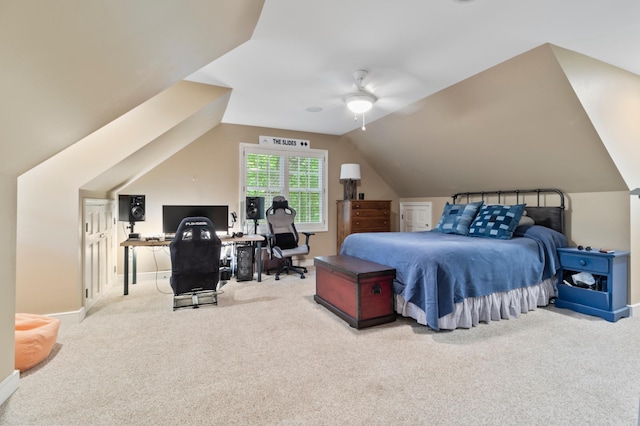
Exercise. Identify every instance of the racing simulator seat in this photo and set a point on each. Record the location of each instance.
(195, 263)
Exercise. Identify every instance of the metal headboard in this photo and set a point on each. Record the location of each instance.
(549, 216)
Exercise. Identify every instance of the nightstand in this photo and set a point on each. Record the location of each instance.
(607, 298)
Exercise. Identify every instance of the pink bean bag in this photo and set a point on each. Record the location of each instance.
(35, 337)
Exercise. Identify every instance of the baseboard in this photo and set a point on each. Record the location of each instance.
(146, 276)
(9, 386)
(634, 310)
(71, 317)
(306, 263)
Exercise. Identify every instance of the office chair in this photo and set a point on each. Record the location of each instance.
(283, 238)
(195, 263)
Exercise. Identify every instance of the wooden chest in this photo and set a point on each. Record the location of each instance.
(358, 291)
(362, 216)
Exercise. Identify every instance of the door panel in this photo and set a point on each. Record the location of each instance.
(415, 216)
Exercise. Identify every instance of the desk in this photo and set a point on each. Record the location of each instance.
(258, 239)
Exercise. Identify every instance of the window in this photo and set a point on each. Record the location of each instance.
(298, 175)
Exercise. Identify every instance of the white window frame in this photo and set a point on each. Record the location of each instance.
(251, 148)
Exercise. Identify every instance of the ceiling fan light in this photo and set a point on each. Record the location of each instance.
(359, 103)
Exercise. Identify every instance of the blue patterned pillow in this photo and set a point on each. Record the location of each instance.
(496, 221)
(456, 218)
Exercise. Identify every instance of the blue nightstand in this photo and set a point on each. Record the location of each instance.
(608, 297)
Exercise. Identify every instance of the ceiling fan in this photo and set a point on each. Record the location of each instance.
(362, 100)
(368, 93)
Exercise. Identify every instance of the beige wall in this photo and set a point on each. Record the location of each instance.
(8, 185)
(207, 172)
(49, 231)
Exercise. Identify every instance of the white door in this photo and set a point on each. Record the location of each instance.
(99, 249)
(415, 216)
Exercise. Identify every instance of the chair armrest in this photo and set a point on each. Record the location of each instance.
(307, 235)
(270, 240)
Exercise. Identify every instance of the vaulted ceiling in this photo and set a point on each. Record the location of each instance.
(302, 54)
(465, 87)
(519, 124)
(71, 67)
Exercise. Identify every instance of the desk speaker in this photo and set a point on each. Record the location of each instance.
(131, 208)
(255, 207)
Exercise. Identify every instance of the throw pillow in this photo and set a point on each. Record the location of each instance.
(496, 221)
(456, 218)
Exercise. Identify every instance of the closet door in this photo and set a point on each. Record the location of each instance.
(415, 216)
(99, 249)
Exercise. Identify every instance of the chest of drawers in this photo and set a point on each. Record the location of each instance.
(362, 216)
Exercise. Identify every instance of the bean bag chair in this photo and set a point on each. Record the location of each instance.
(35, 337)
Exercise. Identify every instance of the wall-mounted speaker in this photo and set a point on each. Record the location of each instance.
(244, 255)
(255, 207)
(131, 208)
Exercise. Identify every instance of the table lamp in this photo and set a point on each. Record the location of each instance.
(349, 174)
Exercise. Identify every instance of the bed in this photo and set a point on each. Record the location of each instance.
(492, 256)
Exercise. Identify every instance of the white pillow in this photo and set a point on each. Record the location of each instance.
(526, 220)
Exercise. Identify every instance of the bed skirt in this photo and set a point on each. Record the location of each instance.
(494, 307)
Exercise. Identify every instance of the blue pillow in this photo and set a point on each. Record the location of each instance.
(496, 221)
(456, 218)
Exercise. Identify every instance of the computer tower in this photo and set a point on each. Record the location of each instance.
(244, 255)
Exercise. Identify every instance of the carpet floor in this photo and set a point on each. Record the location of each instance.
(268, 354)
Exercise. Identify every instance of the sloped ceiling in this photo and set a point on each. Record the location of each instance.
(70, 67)
(158, 149)
(611, 97)
(303, 53)
(516, 125)
(73, 67)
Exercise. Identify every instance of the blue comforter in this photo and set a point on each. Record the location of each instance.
(434, 270)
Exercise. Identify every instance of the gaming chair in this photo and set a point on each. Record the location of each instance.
(283, 238)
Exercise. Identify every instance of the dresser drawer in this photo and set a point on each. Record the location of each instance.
(583, 296)
(370, 224)
(370, 205)
(378, 214)
(587, 263)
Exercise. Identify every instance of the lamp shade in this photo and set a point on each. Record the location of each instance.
(350, 171)
(360, 102)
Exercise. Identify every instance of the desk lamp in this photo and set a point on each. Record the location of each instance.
(350, 174)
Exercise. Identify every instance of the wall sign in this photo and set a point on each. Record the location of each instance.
(285, 142)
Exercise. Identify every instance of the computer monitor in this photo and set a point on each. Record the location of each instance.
(172, 215)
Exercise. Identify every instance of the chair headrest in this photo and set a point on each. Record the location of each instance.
(280, 205)
(195, 228)
(279, 202)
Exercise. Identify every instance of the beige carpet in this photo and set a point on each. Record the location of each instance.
(268, 354)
